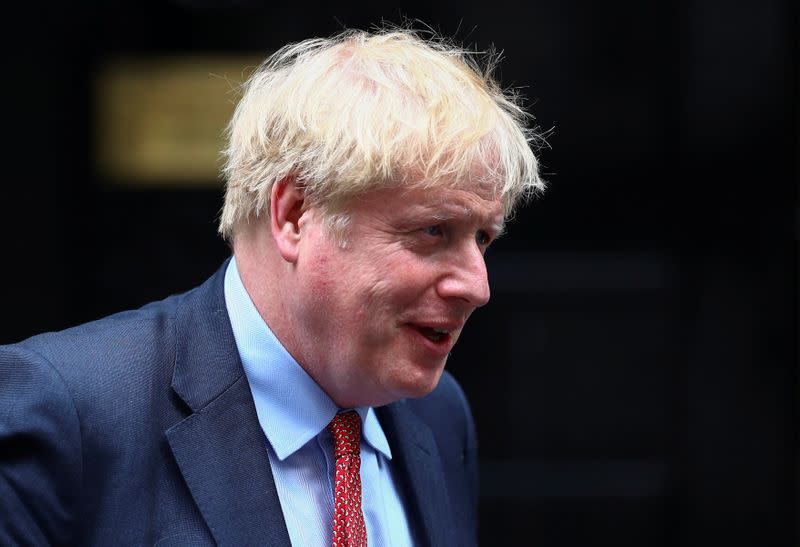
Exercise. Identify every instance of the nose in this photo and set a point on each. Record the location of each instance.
(466, 278)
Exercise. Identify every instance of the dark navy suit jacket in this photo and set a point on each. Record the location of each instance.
(140, 429)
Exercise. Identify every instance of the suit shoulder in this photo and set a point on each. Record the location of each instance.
(153, 317)
(127, 343)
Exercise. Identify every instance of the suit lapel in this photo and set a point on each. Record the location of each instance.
(419, 467)
(220, 448)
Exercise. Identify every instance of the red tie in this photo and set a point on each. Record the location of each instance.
(348, 519)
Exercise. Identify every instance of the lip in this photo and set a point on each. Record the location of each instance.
(449, 326)
(444, 345)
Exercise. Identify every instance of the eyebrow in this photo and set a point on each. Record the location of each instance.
(498, 227)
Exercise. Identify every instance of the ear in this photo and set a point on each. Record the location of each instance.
(285, 209)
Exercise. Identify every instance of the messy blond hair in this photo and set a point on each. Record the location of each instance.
(365, 110)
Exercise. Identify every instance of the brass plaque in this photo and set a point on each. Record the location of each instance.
(160, 121)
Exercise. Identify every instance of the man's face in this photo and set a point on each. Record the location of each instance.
(380, 315)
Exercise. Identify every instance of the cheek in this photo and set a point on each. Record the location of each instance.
(379, 296)
(375, 298)
(343, 287)
(322, 290)
(398, 289)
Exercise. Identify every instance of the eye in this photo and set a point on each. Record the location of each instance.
(483, 237)
(435, 230)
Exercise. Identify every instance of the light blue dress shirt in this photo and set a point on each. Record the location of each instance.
(294, 413)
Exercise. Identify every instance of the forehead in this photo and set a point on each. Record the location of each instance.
(435, 203)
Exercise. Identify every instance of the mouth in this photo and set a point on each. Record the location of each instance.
(433, 339)
(435, 335)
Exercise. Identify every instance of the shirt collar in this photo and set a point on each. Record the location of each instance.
(292, 409)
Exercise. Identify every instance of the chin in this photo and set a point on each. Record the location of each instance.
(419, 384)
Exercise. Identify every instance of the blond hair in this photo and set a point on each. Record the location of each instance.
(364, 110)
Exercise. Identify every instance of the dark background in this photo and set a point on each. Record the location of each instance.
(635, 380)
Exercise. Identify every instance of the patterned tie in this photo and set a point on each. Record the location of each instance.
(349, 529)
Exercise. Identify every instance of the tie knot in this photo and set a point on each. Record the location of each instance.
(346, 431)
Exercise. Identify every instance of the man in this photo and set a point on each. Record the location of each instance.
(298, 396)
